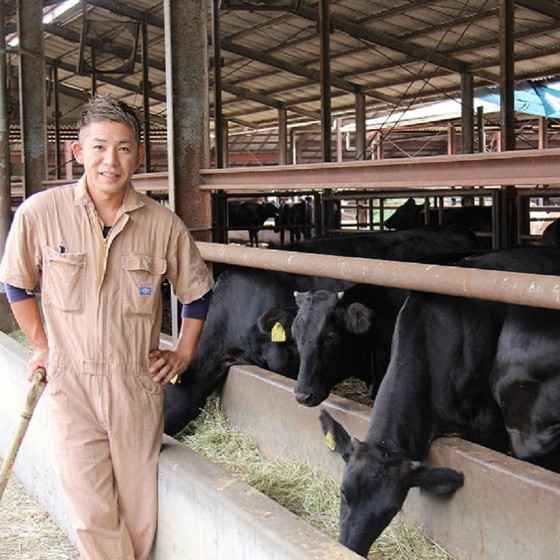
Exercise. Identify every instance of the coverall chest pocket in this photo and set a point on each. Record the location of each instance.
(63, 283)
(142, 277)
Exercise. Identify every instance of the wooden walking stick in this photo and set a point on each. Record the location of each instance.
(35, 391)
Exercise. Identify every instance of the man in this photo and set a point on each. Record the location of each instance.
(100, 251)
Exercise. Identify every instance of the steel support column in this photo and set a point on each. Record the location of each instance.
(32, 96)
(146, 98)
(282, 136)
(360, 102)
(507, 219)
(480, 130)
(467, 114)
(325, 75)
(543, 133)
(5, 187)
(224, 133)
(218, 108)
(57, 142)
(507, 75)
(186, 68)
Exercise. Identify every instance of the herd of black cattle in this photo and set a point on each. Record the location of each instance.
(434, 365)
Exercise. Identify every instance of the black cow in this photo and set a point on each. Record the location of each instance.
(343, 335)
(551, 235)
(525, 381)
(249, 321)
(349, 334)
(420, 244)
(297, 218)
(237, 330)
(410, 214)
(450, 357)
(250, 216)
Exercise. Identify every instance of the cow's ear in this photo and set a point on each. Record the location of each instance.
(336, 437)
(358, 318)
(267, 320)
(300, 297)
(439, 481)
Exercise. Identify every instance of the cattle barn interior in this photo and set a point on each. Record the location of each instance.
(292, 82)
(352, 108)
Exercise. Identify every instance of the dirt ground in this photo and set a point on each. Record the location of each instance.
(27, 532)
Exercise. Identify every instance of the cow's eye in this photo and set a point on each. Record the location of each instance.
(330, 339)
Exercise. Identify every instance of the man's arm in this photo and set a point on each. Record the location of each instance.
(169, 363)
(28, 317)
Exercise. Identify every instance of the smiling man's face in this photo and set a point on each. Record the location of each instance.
(110, 155)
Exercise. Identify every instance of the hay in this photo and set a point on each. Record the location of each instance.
(26, 530)
(18, 336)
(296, 485)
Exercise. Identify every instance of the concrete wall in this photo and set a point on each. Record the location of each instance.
(204, 513)
(507, 509)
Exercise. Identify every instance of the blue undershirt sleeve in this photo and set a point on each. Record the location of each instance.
(17, 294)
(197, 309)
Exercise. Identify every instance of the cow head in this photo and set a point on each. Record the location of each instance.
(532, 419)
(321, 329)
(376, 483)
(405, 216)
(525, 382)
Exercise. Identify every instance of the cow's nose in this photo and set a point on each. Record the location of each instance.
(304, 397)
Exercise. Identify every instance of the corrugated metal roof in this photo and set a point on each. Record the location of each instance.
(399, 53)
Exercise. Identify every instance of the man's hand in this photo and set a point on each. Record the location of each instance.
(39, 359)
(167, 364)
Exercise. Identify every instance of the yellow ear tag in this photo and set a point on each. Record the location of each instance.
(329, 441)
(278, 334)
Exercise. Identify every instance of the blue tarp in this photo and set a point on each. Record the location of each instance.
(530, 98)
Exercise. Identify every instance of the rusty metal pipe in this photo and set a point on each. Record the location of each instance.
(537, 290)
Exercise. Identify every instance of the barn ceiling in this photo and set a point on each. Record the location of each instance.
(400, 54)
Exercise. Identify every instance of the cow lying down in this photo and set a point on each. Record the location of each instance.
(476, 369)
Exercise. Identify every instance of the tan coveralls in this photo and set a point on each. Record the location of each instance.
(102, 306)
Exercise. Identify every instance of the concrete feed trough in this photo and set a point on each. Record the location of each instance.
(507, 510)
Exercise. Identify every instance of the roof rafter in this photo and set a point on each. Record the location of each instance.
(393, 43)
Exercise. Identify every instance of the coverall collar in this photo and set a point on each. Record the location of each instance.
(132, 199)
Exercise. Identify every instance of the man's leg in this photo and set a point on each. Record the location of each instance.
(82, 451)
(136, 431)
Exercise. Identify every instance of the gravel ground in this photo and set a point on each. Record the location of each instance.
(27, 532)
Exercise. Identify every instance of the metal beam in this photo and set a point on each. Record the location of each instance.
(520, 167)
(298, 70)
(416, 51)
(107, 79)
(121, 9)
(544, 7)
